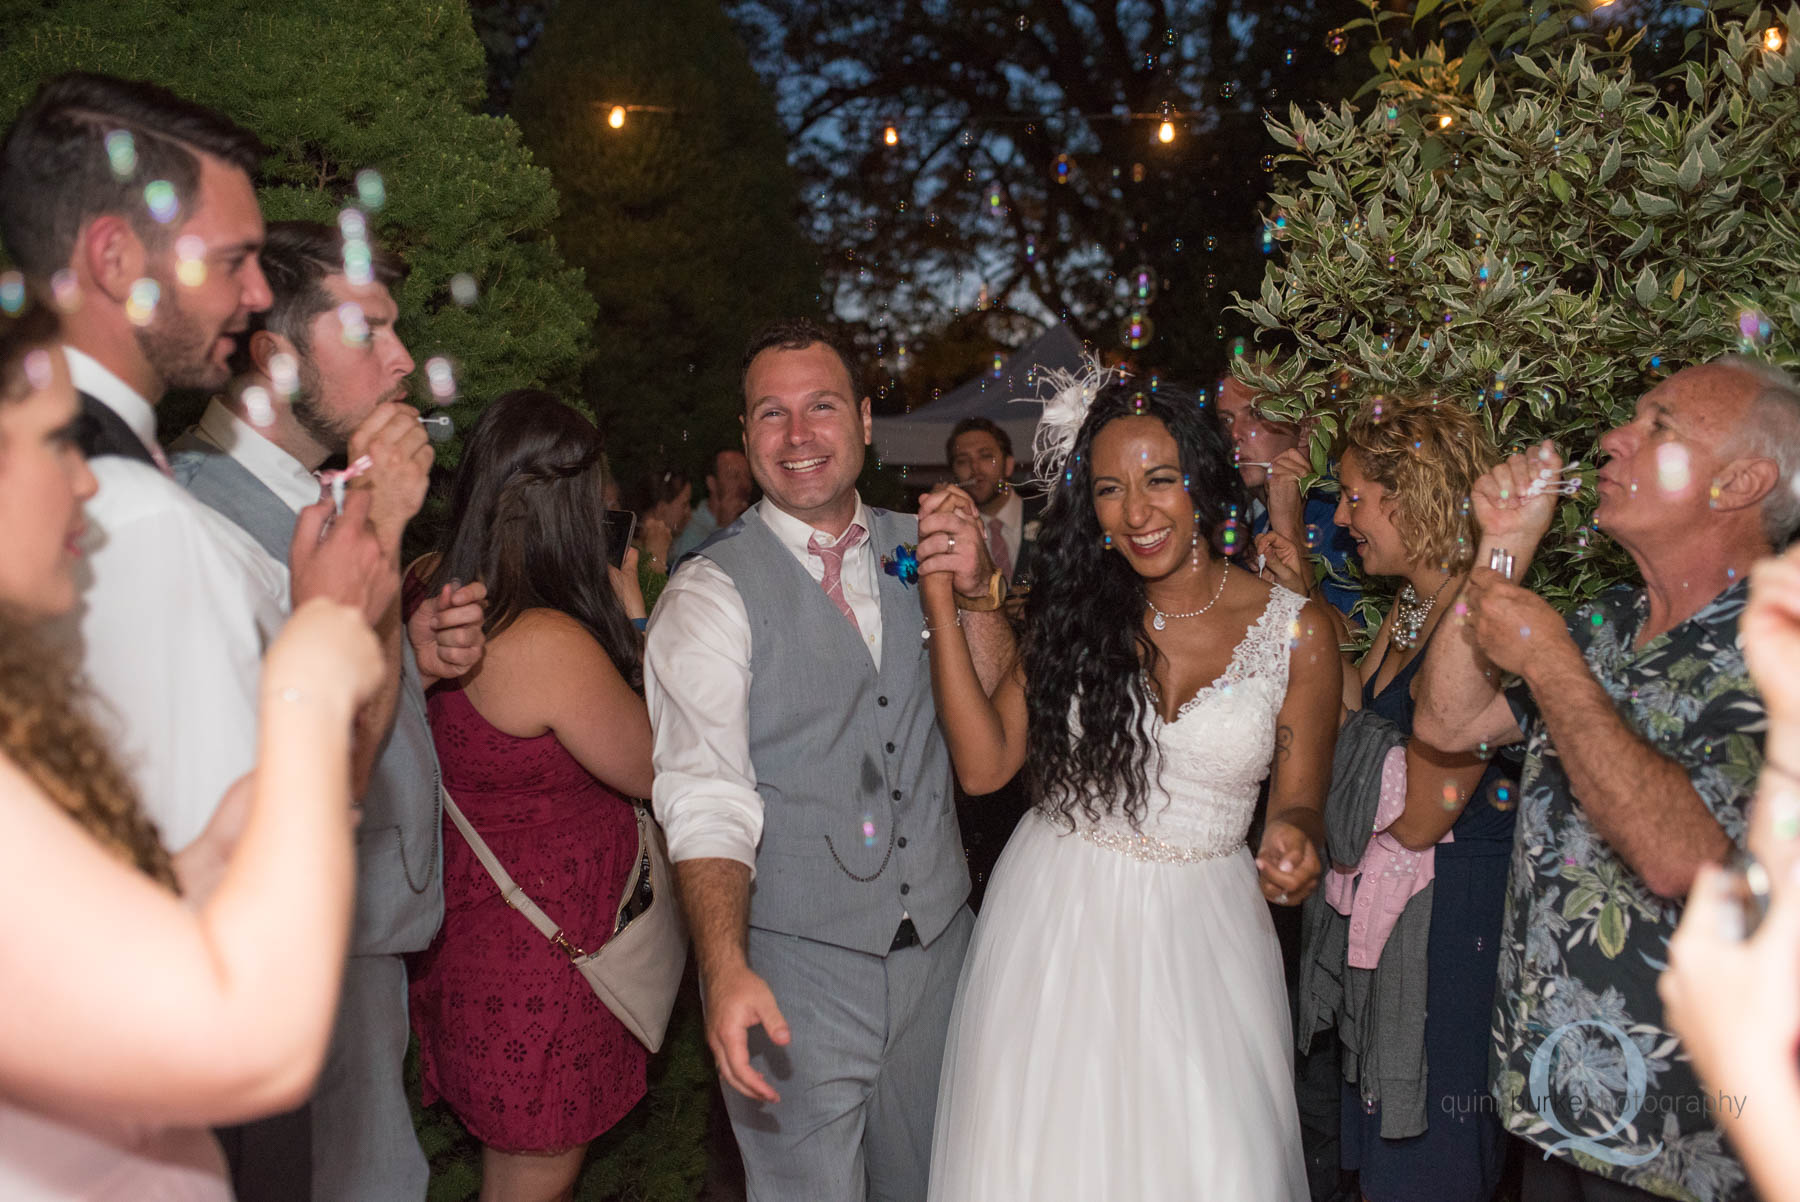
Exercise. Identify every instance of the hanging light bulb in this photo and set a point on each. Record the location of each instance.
(1445, 121)
(616, 118)
(891, 137)
(1166, 131)
(1773, 39)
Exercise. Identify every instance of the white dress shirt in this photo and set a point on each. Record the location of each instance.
(697, 683)
(277, 470)
(177, 605)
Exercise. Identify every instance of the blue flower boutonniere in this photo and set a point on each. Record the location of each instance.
(903, 564)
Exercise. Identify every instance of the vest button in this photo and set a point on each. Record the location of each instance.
(881, 701)
(895, 795)
(902, 842)
(890, 747)
(906, 888)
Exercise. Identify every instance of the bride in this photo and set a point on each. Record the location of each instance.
(1121, 1028)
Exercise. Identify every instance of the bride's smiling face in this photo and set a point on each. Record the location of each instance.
(1139, 497)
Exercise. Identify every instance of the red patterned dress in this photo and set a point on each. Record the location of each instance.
(510, 1034)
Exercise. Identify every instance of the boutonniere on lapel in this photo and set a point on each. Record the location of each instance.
(903, 564)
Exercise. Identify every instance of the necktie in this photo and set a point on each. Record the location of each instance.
(997, 547)
(832, 555)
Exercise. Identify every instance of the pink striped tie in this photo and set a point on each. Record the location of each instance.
(832, 555)
(997, 547)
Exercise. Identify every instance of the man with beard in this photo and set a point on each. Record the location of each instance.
(133, 211)
(322, 373)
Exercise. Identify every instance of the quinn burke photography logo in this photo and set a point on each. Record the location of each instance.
(1629, 1106)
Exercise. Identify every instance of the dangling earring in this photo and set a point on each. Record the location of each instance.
(1195, 543)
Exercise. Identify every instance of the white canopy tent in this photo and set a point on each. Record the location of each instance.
(917, 439)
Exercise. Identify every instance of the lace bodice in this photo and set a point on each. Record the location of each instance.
(1207, 764)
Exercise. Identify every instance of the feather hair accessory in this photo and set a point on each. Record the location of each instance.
(1066, 407)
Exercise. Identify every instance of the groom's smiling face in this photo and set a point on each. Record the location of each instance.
(804, 431)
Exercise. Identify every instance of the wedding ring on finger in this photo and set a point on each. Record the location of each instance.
(1281, 899)
(952, 542)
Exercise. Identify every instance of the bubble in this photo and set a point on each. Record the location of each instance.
(370, 190)
(354, 323)
(1212, 243)
(1506, 795)
(1228, 90)
(1337, 41)
(284, 374)
(1268, 163)
(359, 263)
(353, 225)
(999, 366)
(1062, 168)
(257, 406)
(65, 291)
(1137, 173)
(1674, 471)
(12, 293)
(1452, 795)
(140, 305)
(1229, 536)
(190, 261)
(463, 290)
(442, 377)
(121, 153)
(1753, 327)
(38, 369)
(1314, 538)
(1143, 284)
(159, 196)
(868, 830)
(1136, 331)
(1030, 247)
(1287, 56)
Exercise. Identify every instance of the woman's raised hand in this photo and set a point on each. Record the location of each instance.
(951, 541)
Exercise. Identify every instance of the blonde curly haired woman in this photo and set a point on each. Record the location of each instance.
(1406, 469)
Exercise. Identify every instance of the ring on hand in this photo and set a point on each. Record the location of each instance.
(1281, 898)
(952, 542)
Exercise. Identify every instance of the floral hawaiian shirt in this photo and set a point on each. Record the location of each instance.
(1583, 1064)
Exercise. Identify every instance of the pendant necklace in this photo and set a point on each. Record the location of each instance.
(1162, 619)
(1410, 614)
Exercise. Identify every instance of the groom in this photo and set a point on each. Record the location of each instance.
(805, 792)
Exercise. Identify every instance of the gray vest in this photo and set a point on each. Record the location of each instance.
(399, 857)
(859, 824)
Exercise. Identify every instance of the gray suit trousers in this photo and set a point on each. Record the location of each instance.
(859, 1079)
(364, 1148)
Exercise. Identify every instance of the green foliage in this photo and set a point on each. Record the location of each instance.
(1568, 236)
(336, 86)
(685, 220)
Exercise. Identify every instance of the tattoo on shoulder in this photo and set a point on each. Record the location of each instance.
(1284, 742)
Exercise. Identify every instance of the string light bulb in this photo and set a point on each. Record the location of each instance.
(891, 137)
(1773, 39)
(1445, 120)
(616, 118)
(1166, 131)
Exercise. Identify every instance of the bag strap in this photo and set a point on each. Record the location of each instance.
(510, 891)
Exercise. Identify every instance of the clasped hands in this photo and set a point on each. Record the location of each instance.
(953, 542)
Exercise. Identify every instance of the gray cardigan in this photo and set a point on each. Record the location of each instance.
(1379, 1013)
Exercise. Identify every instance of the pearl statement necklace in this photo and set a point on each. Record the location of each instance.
(1162, 619)
(1410, 614)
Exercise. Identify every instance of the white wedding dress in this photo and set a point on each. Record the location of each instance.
(1121, 1027)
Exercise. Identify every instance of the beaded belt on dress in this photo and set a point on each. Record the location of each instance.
(1140, 846)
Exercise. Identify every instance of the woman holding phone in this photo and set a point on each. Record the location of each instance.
(540, 745)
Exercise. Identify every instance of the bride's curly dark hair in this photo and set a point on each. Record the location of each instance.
(1083, 635)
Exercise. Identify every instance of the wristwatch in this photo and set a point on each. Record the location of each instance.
(995, 594)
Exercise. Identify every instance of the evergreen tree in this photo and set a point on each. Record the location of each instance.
(337, 88)
(685, 220)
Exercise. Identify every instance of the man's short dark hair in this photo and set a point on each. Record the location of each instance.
(985, 426)
(297, 257)
(89, 145)
(712, 465)
(796, 334)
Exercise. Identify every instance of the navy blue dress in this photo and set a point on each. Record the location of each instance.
(1459, 1156)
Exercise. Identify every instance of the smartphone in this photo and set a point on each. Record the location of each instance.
(621, 524)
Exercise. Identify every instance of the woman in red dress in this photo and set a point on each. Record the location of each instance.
(540, 745)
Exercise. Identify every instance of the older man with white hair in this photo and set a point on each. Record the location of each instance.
(1643, 738)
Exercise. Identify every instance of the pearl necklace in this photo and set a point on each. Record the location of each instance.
(1162, 619)
(1410, 614)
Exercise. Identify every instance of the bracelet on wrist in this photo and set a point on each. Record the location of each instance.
(929, 630)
